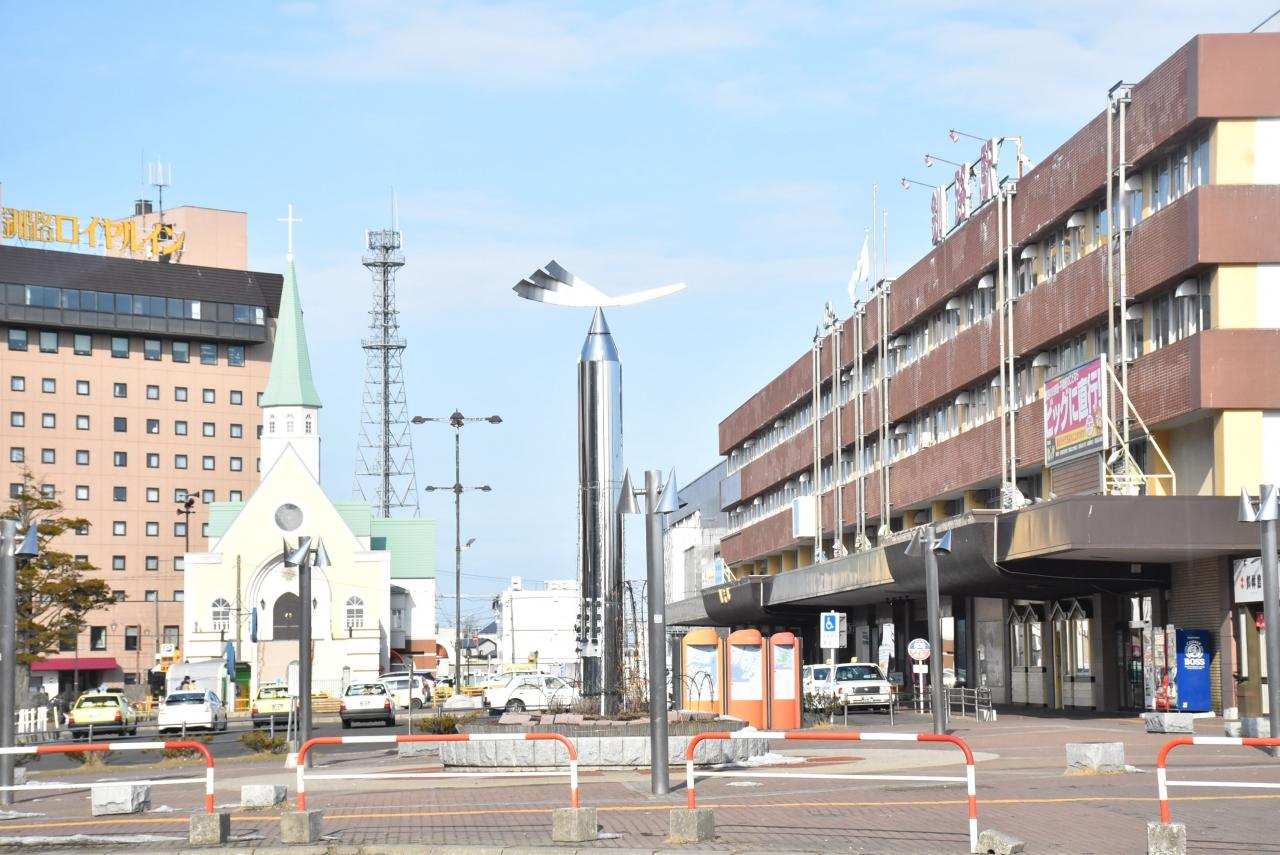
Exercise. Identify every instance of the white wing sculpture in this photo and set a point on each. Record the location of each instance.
(557, 286)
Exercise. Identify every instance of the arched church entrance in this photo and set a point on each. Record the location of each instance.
(286, 618)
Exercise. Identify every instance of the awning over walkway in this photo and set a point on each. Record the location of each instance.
(82, 663)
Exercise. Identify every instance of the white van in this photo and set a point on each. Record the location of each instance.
(817, 684)
(862, 684)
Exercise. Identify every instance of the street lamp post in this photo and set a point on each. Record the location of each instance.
(926, 541)
(456, 421)
(659, 500)
(303, 559)
(10, 551)
(1265, 513)
(187, 509)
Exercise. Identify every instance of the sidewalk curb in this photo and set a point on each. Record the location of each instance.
(442, 849)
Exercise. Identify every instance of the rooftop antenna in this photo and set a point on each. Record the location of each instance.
(160, 176)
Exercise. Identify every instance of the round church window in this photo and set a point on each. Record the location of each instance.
(288, 517)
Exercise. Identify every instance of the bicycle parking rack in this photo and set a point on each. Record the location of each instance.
(1163, 783)
(119, 746)
(303, 775)
(968, 779)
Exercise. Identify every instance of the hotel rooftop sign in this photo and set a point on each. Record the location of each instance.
(116, 235)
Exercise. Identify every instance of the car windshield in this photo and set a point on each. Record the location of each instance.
(367, 689)
(98, 701)
(821, 673)
(274, 692)
(185, 698)
(858, 672)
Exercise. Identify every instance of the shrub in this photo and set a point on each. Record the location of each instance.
(262, 742)
(187, 753)
(442, 723)
(91, 758)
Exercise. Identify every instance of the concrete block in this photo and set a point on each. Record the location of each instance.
(1255, 726)
(1233, 728)
(262, 795)
(300, 826)
(692, 825)
(1170, 839)
(209, 829)
(992, 842)
(416, 749)
(515, 718)
(1092, 758)
(120, 798)
(568, 718)
(19, 776)
(573, 825)
(1164, 722)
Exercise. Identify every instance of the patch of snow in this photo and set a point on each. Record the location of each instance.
(608, 835)
(743, 784)
(771, 759)
(17, 814)
(163, 809)
(50, 840)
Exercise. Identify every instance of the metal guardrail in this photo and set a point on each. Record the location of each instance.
(1163, 783)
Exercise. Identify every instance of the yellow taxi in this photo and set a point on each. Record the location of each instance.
(271, 704)
(101, 712)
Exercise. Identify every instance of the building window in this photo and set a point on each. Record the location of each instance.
(82, 344)
(153, 494)
(82, 492)
(288, 424)
(208, 354)
(237, 397)
(120, 390)
(151, 349)
(181, 351)
(179, 461)
(152, 563)
(179, 393)
(82, 530)
(118, 528)
(82, 457)
(82, 422)
(97, 638)
(153, 426)
(235, 496)
(180, 428)
(153, 393)
(48, 421)
(179, 596)
(237, 464)
(153, 528)
(117, 563)
(207, 396)
(120, 424)
(220, 611)
(48, 341)
(17, 454)
(18, 384)
(130, 638)
(308, 424)
(179, 529)
(204, 529)
(82, 387)
(179, 495)
(48, 455)
(120, 494)
(118, 596)
(15, 490)
(207, 429)
(153, 460)
(17, 339)
(17, 418)
(235, 355)
(237, 431)
(120, 346)
(207, 497)
(397, 619)
(258, 399)
(271, 424)
(355, 612)
(179, 563)
(48, 385)
(120, 458)
(48, 491)
(206, 462)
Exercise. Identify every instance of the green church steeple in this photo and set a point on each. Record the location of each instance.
(290, 383)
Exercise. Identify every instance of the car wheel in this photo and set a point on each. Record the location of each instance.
(346, 724)
(415, 704)
(515, 705)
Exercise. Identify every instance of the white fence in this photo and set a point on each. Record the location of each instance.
(37, 722)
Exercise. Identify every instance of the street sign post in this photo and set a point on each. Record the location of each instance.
(919, 650)
(833, 632)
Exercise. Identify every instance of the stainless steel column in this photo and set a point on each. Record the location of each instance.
(8, 650)
(659, 776)
(1271, 614)
(936, 700)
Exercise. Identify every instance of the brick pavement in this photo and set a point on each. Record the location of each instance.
(1021, 790)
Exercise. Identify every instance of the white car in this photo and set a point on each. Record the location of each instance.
(398, 683)
(520, 692)
(816, 684)
(861, 684)
(367, 702)
(191, 710)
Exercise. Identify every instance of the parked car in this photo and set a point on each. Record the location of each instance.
(816, 684)
(271, 705)
(101, 712)
(367, 702)
(520, 692)
(862, 684)
(398, 683)
(191, 710)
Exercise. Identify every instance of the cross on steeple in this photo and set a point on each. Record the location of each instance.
(290, 220)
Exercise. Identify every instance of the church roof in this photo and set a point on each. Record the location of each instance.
(290, 383)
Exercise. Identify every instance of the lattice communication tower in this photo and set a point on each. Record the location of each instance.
(384, 456)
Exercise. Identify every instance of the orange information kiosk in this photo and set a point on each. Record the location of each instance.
(746, 689)
(784, 682)
(702, 688)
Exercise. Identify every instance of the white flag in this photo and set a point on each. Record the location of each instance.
(862, 272)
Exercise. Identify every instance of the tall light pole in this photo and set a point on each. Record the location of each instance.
(10, 551)
(925, 541)
(659, 500)
(302, 559)
(456, 421)
(1265, 513)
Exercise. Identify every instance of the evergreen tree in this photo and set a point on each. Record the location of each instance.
(54, 594)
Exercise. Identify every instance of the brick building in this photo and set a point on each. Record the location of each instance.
(1074, 535)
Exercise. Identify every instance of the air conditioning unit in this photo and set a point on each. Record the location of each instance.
(802, 517)
(926, 440)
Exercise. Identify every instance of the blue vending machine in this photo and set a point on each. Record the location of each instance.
(1194, 656)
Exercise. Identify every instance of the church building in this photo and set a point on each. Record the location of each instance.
(372, 606)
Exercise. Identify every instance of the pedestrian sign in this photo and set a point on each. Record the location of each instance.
(918, 649)
(834, 630)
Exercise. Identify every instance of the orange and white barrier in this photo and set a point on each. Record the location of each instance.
(1163, 783)
(443, 737)
(968, 779)
(119, 746)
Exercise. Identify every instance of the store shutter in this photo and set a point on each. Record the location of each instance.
(1195, 602)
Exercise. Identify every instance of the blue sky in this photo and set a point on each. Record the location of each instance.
(732, 146)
